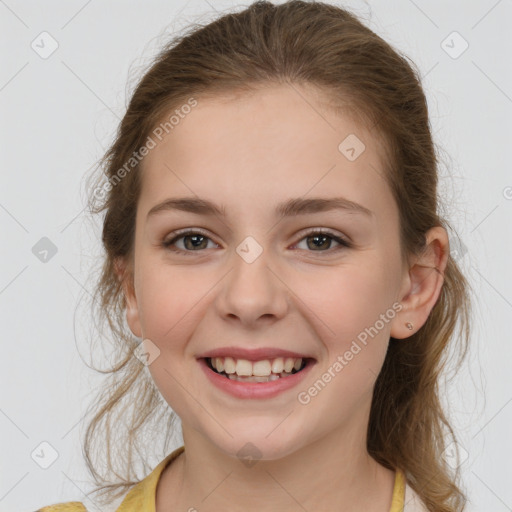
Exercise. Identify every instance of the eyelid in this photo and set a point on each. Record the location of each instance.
(180, 233)
(324, 231)
(187, 231)
(343, 241)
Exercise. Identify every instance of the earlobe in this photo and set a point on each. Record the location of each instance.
(132, 311)
(423, 284)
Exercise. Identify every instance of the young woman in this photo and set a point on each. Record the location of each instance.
(277, 271)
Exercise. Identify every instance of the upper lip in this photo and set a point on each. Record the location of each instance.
(256, 354)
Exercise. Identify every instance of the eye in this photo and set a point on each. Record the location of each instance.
(322, 238)
(194, 241)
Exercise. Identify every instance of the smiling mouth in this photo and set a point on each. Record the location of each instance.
(266, 370)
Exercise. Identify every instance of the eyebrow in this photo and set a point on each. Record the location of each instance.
(289, 208)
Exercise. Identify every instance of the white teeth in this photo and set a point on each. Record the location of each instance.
(219, 364)
(229, 364)
(243, 367)
(265, 369)
(255, 378)
(261, 378)
(278, 365)
(288, 364)
(261, 368)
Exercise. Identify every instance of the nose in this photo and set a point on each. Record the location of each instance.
(252, 292)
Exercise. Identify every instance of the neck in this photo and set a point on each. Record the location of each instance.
(334, 472)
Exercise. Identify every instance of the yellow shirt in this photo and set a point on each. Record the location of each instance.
(142, 496)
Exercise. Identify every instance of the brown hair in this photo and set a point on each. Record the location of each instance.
(325, 46)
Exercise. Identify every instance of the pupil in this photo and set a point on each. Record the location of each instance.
(316, 238)
(195, 238)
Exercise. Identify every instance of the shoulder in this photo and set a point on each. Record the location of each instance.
(70, 506)
(140, 497)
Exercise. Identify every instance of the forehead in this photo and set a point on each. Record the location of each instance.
(267, 145)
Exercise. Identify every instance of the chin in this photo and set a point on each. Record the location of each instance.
(256, 444)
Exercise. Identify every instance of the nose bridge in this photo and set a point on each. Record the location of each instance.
(251, 289)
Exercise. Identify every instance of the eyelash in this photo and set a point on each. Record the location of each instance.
(167, 244)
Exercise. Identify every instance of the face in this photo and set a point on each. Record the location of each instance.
(253, 280)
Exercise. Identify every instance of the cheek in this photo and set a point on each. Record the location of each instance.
(353, 317)
(350, 300)
(353, 321)
(169, 302)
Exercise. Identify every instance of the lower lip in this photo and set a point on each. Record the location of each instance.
(255, 389)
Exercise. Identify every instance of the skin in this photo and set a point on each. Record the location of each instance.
(250, 152)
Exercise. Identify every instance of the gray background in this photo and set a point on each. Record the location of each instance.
(58, 115)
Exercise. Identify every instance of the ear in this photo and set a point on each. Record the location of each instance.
(422, 284)
(125, 274)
